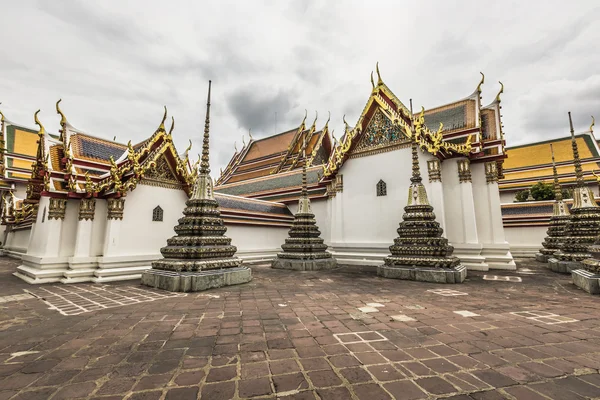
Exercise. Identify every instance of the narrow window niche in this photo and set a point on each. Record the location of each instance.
(381, 188)
(157, 214)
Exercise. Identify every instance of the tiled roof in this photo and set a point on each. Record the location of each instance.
(270, 145)
(94, 148)
(538, 153)
(244, 204)
(273, 182)
(454, 116)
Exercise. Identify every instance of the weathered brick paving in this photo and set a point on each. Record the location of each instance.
(303, 336)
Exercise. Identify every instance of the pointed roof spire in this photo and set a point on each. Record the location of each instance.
(204, 165)
(304, 190)
(480, 82)
(379, 81)
(372, 81)
(162, 123)
(576, 160)
(63, 119)
(557, 190)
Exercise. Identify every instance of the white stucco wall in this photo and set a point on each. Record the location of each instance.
(321, 211)
(69, 229)
(138, 234)
(98, 228)
(525, 241)
(250, 238)
(507, 197)
(365, 217)
(18, 240)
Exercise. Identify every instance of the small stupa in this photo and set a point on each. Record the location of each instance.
(420, 253)
(560, 217)
(200, 256)
(583, 227)
(304, 249)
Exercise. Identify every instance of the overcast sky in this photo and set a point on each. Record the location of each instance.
(116, 63)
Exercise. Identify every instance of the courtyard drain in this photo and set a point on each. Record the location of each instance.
(75, 300)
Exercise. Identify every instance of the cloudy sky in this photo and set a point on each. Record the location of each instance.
(116, 63)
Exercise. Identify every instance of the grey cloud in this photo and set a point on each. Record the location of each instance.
(254, 109)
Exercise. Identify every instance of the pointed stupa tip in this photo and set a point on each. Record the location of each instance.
(576, 160)
(204, 165)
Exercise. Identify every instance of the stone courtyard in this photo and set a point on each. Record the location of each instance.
(339, 334)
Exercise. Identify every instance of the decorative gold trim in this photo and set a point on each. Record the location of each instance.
(491, 172)
(464, 170)
(116, 208)
(57, 209)
(434, 170)
(87, 209)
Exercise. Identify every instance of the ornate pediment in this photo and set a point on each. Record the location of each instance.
(161, 174)
(380, 135)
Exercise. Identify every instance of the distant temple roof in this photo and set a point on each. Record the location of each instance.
(530, 163)
(265, 168)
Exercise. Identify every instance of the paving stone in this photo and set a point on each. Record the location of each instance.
(75, 390)
(435, 385)
(255, 387)
(314, 364)
(370, 391)
(338, 393)
(385, 372)
(189, 378)
(289, 382)
(281, 367)
(222, 374)
(523, 392)
(189, 393)
(321, 379)
(116, 386)
(493, 378)
(405, 390)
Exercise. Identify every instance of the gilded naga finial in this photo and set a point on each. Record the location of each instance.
(481, 82)
(328, 118)
(235, 147)
(63, 119)
(243, 141)
(250, 134)
(304, 120)
(315, 121)
(592, 125)
(41, 131)
(379, 81)
(500, 92)
(172, 125)
(372, 81)
(162, 123)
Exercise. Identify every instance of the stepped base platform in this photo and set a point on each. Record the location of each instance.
(586, 280)
(304, 265)
(542, 257)
(195, 281)
(423, 274)
(563, 267)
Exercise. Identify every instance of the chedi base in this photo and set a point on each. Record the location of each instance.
(198, 281)
(304, 265)
(423, 274)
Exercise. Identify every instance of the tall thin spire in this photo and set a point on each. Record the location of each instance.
(304, 190)
(204, 165)
(577, 161)
(557, 190)
(416, 172)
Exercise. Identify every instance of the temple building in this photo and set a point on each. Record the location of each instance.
(90, 209)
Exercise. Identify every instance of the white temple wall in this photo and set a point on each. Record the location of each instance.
(17, 241)
(320, 208)
(364, 224)
(454, 212)
(257, 243)
(525, 241)
(507, 197)
(98, 228)
(69, 229)
(139, 235)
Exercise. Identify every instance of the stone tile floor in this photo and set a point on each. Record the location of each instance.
(303, 335)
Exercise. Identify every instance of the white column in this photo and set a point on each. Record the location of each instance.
(43, 263)
(469, 251)
(497, 252)
(82, 264)
(436, 192)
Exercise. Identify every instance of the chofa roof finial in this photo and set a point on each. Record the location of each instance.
(379, 81)
(41, 131)
(500, 92)
(63, 119)
(592, 125)
(481, 82)
(162, 123)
